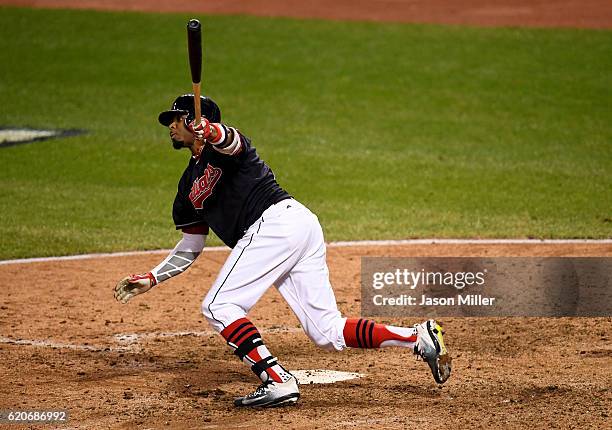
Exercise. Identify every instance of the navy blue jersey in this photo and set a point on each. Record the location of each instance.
(228, 193)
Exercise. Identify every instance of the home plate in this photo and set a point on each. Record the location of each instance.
(323, 376)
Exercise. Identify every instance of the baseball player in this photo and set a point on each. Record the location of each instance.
(275, 240)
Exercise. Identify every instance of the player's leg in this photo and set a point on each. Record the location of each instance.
(309, 293)
(278, 386)
(425, 340)
(315, 308)
(256, 262)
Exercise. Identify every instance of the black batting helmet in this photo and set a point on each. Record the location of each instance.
(183, 105)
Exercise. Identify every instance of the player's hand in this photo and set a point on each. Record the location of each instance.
(133, 285)
(200, 131)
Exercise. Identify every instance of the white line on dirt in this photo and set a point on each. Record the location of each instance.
(90, 256)
(131, 344)
(323, 376)
(129, 341)
(469, 242)
(333, 245)
(60, 345)
(130, 338)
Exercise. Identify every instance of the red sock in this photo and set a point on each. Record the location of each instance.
(244, 338)
(363, 333)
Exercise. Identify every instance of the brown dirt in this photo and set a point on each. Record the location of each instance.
(534, 13)
(508, 372)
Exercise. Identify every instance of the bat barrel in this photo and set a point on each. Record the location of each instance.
(194, 45)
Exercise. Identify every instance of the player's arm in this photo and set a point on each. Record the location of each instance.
(224, 139)
(178, 260)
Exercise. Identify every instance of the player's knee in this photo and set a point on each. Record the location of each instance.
(208, 312)
(326, 334)
(219, 315)
(325, 343)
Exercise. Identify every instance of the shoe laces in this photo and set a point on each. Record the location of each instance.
(418, 351)
(417, 347)
(262, 389)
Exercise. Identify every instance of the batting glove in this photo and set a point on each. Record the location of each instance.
(133, 285)
(200, 131)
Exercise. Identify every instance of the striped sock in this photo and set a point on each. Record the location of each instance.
(244, 338)
(363, 333)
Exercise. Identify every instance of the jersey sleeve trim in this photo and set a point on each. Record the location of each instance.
(196, 229)
(190, 224)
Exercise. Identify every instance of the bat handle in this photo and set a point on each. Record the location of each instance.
(196, 102)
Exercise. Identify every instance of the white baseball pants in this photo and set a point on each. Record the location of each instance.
(285, 247)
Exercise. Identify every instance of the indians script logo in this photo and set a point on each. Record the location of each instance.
(203, 186)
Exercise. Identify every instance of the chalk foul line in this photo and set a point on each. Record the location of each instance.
(47, 343)
(125, 342)
(130, 343)
(341, 244)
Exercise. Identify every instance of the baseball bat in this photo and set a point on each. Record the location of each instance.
(194, 46)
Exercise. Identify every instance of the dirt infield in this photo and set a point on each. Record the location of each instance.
(154, 363)
(535, 13)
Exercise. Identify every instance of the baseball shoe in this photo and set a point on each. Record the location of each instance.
(430, 347)
(271, 394)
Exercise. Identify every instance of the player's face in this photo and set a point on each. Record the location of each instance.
(179, 132)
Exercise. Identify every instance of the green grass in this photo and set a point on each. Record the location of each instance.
(384, 130)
